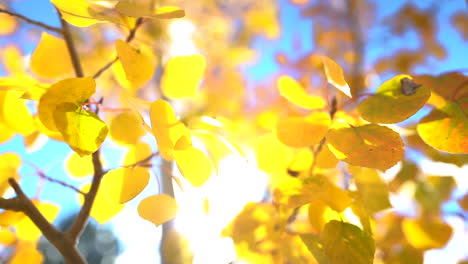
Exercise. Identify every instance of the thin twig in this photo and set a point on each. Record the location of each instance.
(31, 21)
(130, 37)
(141, 162)
(71, 47)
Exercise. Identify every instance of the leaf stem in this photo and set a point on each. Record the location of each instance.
(33, 22)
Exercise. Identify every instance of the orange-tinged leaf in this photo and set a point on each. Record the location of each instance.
(167, 12)
(26, 252)
(27, 230)
(9, 166)
(45, 65)
(158, 209)
(15, 114)
(296, 94)
(447, 87)
(138, 67)
(451, 123)
(463, 202)
(78, 166)
(166, 127)
(372, 189)
(303, 131)
(83, 131)
(123, 184)
(380, 107)
(126, 128)
(325, 159)
(182, 76)
(132, 9)
(371, 146)
(193, 163)
(103, 210)
(426, 234)
(72, 90)
(335, 75)
(345, 243)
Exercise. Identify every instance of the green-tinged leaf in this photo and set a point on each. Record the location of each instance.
(446, 128)
(381, 107)
(315, 247)
(345, 243)
(72, 90)
(371, 188)
(82, 130)
(427, 233)
(371, 146)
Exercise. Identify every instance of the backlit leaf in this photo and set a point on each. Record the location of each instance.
(126, 128)
(9, 166)
(82, 130)
(315, 247)
(380, 107)
(15, 114)
(167, 12)
(137, 153)
(335, 75)
(132, 9)
(296, 94)
(372, 189)
(83, 14)
(320, 214)
(345, 243)
(137, 65)
(166, 127)
(72, 90)
(158, 209)
(27, 230)
(8, 24)
(451, 123)
(26, 252)
(303, 131)
(193, 163)
(182, 76)
(447, 87)
(272, 155)
(78, 166)
(426, 233)
(103, 210)
(7, 237)
(371, 146)
(45, 65)
(123, 184)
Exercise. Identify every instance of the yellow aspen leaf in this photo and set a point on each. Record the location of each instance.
(360, 211)
(325, 159)
(182, 76)
(272, 155)
(45, 65)
(15, 114)
(26, 252)
(55, 135)
(263, 21)
(138, 67)
(26, 229)
(103, 210)
(123, 184)
(335, 75)
(445, 88)
(8, 24)
(320, 214)
(6, 134)
(7, 237)
(371, 188)
(9, 166)
(426, 233)
(78, 166)
(83, 14)
(451, 123)
(296, 94)
(303, 131)
(371, 146)
(346, 243)
(136, 153)
(158, 209)
(166, 127)
(380, 107)
(83, 131)
(302, 160)
(13, 60)
(9, 218)
(72, 90)
(216, 147)
(168, 12)
(193, 163)
(131, 9)
(126, 128)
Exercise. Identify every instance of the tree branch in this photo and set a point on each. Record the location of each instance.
(33, 22)
(71, 47)
(130, 37)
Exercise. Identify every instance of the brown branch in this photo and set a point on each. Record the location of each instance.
(130, 37)
(33, 22)
(22, 203)
(71, 47)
